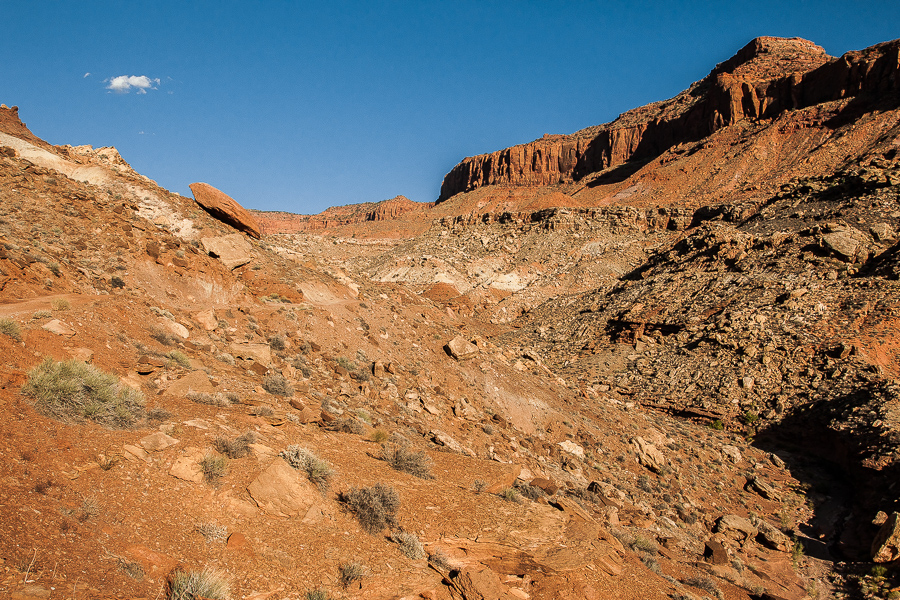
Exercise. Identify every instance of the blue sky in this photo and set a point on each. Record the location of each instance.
(299, 106)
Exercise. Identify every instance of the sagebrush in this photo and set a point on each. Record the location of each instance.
(403, 459)
(73, 390)
(317, 470)
(191, 585)
(375, 507)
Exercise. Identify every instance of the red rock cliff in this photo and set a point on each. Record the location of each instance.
(765, 78)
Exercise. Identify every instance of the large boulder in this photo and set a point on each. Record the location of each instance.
(233, 250)
(886, 546)
(223, 207)
(280, 491)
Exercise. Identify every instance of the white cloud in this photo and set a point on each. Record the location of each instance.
(88, 74)
(124, 84)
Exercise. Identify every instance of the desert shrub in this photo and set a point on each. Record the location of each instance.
(403, 459)
(440, 560)
(132, 569)
(375, 507)
(277, 385)
(717, 425)
(75, 390)
(346, 363)
(180, 358)
(262, 411)
(192, 585)
(158, 414)
(42, 314)
(163, 337)
(510, 495)
(317, 470)
(214, 468)
(10, 328)
(277, 343)
(352, 572)
(213, 532)
(54, 268)
(379, 436)
(60, 304)
(117, 282)
(225, 358)
(348, 425)
(317, 594)
(409, 544)
(529, 491)
(236, 447)
(479, 485)
(704, 583)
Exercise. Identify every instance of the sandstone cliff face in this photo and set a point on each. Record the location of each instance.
(764, 79)
(338, 216)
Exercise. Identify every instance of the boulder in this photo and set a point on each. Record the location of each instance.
(572, 448)
(886, 546)
(232, 250)
(736, 528)
(648, 454)
(260, 353)
(207, 319)
(443, 439)
(158, 441)
(225, 208)
(280, 491)
(460, 348)
(773, 537)
(478, 584)
(175, 328)
(715, 553)
(195, 381)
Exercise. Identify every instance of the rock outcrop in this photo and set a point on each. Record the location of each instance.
(225, 208)
(338, 216)
(764, 79)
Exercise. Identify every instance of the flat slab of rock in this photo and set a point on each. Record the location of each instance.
(156, 442)
(225, 208)
(59, 328)
(195, 381)
(460, 348)
(260, 353)
(187, 467)
(232, 250)
(280, 491)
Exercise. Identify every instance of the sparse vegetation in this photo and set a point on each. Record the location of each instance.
(352, 572)
(212, 532)
(277, 343)
(510, 495)
(479, 486)
(317, 470)
(375, 507)
(236, 447)
(217, 399)
(54, 268)
(277, 385)
(717, 425)
(75, 390)
(440, 560)
(10, 328)
(225, 358)
(60, 304)
(180, 358)
(42, 314)
(193, 585)
(379, 436)
(214, 468)
(403, 459)
(132, 569)
(409, 544)
(317, 594)
(163, 337)
(704, 583)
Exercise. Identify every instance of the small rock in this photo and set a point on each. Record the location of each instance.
(59, 328)
(715, 553)
(135, 453)
(572, 448)
(207, 319)
(195, 381)
(732, 452)
(648, 454)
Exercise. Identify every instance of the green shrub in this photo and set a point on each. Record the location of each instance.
(717, 425)
(214, 468)
(379, 436)
(510, 495)
(409, 544)
(318, 471)
(317, 594)
(180, 357)
(75, 390)
(192, 585)
(10, 328)
(403, 459)
(375, 507)
(42, 314)
(277, 385)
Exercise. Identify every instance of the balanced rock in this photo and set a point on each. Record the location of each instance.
(225, 208)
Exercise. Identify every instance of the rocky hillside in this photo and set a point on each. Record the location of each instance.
(671, 378)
